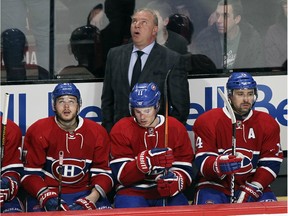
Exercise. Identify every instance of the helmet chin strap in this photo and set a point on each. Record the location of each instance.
(153, 121)
(255, 99)
(157, 107)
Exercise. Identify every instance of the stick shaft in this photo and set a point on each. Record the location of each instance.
(166, 123)
(233, 147)
(4, 123)
(166, 98)
(166, 107)
(166, 119)
(61, 156)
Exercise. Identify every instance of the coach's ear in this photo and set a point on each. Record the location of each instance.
(237, 19)
(155, 30)
(166, 21)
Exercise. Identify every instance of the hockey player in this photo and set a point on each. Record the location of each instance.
(258, 151)
(11, 169)
(148, 172)
(85, 177)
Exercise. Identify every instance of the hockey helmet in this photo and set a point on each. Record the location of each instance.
(144, 95)
(14, 46)
(66, 89)
(13, 36)
(85, 34)
(241, 80)
(182, 25)
(84, 39)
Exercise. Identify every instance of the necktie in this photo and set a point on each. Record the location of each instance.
(136, 69)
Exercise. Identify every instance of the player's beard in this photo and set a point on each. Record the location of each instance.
(67, 122)
(242, 110)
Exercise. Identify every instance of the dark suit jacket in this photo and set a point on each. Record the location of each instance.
(116, 88)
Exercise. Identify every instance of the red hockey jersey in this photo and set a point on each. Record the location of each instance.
(86, 157)
(11, 163)
(257, 138)
(128, 139)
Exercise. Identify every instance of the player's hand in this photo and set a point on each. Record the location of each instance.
(49, 201)
(250, 192)
(8, 190)
(227, 164)
(170, 184)
(82, 204)
(157, 158)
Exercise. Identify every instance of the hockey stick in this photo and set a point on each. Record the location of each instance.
(166, 107)
(61, 156)
(4, 124)
(233, 120)
(165, 91)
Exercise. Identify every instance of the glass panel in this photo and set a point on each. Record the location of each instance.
(256, 31)
(79, 51)
(25, 39)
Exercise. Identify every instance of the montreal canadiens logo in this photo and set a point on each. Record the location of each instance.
(72, 170)
(247, 156)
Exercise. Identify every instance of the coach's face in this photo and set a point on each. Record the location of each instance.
(143, 29)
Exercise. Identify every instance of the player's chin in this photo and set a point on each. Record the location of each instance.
(245, 110)
(66, 117)
(143, 124)
(246, 106)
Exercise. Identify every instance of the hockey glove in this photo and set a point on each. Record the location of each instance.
(170, 184)
(83, 204)
(157, 158)
(250, 192)
(8, 190)
(49, 201)
(226, 164)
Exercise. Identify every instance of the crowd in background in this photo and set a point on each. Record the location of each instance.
(105, 24)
